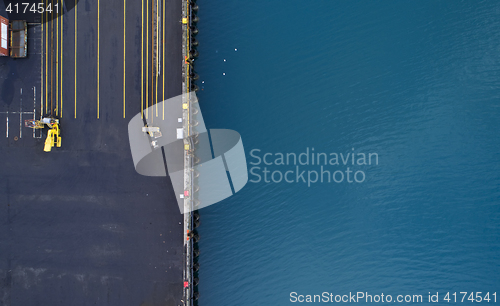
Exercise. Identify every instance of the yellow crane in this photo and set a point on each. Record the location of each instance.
(53, 135)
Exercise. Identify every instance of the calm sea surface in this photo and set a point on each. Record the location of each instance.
(418, 83)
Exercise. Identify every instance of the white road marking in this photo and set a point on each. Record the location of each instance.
(21, 115)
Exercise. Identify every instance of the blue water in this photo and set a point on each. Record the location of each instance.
(417, 82)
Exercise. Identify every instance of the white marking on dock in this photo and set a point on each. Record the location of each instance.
(21, 115)
(34, 107)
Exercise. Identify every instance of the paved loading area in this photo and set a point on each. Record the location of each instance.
(78, 225)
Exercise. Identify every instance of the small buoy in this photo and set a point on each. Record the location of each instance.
(224, 60)
(223, 73)
(235, 49)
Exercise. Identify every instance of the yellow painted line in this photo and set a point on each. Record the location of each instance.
(57, 64)
(147, 57)
(52, 60)
(163, 49)
(142, 59)
(98, 38)
(76, 24)
(157, 55)
(124, 30)
(41, 70)
(62, 32)
(152, 62)
(187, 72)
(157, 42)
(46, 62)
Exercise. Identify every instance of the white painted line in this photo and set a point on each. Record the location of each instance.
(34, 107)
(7, 126)
(21, 115)
(24, 113)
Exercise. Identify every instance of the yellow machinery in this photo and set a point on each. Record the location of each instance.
(53, 135)
(53, 138)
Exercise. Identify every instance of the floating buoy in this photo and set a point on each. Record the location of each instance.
(196, 267)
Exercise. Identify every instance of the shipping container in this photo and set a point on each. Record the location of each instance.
(4, 36)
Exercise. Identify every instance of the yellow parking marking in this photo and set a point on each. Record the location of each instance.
(124, 30)
(163, 57)
(147, 57)
(62, 31)
(57, 64)
(142, 59)
(98, 49)
(41, 69)
(76, 24)
(157, 55)
(46, 61)
(152, 62)
(187, 73)
(52, 60)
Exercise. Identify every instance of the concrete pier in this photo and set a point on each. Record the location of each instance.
(79, 225)
(188, 156)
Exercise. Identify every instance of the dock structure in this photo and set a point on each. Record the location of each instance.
(188, 156)
(115, 237)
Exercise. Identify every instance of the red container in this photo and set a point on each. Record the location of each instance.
(4, 36)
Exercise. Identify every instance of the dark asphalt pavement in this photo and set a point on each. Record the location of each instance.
(78, 225)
